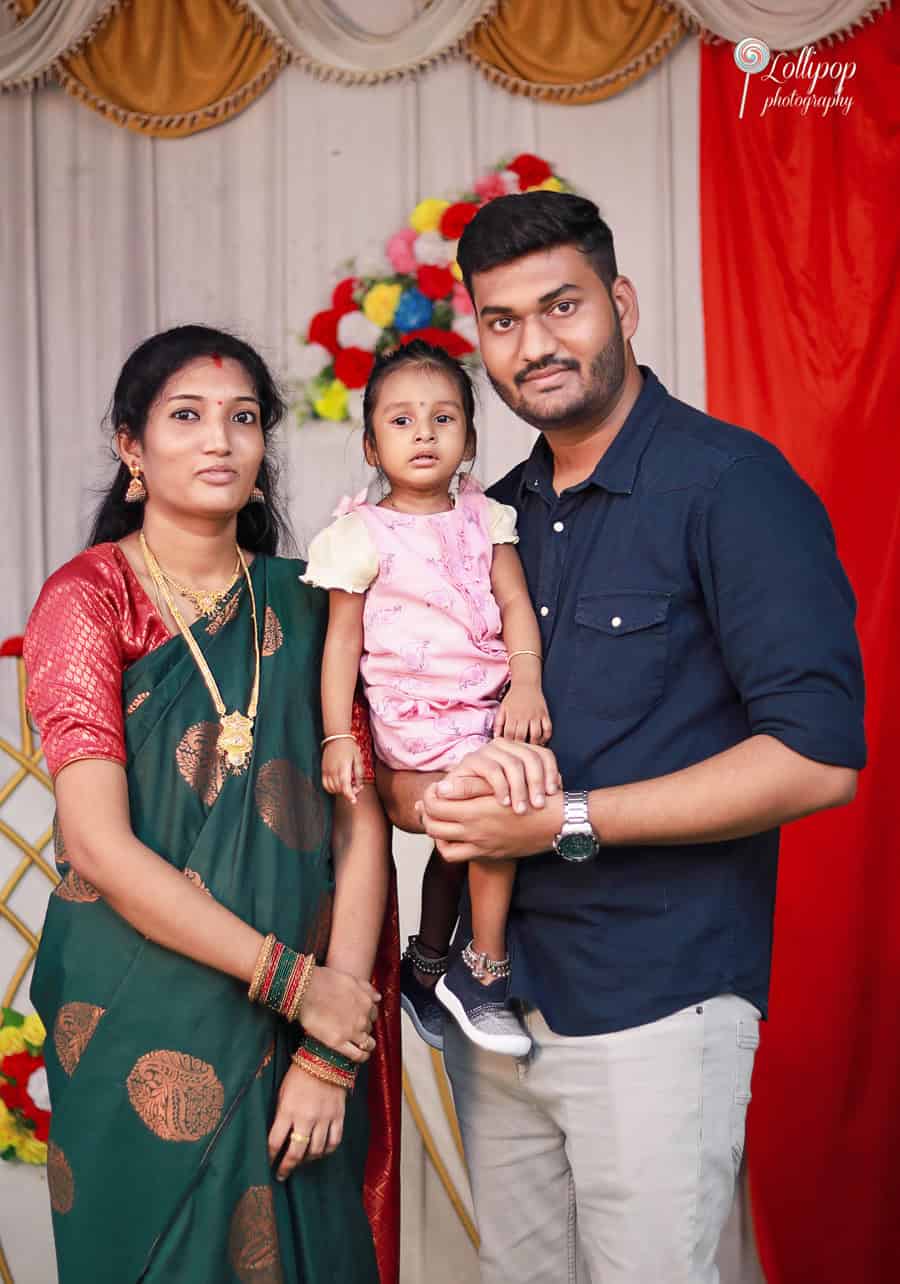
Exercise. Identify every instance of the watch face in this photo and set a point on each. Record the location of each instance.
(578, 847)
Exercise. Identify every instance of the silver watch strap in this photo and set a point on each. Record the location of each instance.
(575, 810)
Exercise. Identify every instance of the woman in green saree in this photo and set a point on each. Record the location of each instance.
(174, 675)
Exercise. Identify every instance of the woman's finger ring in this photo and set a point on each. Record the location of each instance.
(300, 1138)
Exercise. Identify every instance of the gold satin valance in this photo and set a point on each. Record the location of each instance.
(170, 68)
(579, 51)
(167, 68)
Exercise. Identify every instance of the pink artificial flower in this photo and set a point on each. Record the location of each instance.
(462, 304)
(400, 252)
(490, 186)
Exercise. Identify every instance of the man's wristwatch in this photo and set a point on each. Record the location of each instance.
(576, 841)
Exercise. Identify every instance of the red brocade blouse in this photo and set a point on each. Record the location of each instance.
(93, 620)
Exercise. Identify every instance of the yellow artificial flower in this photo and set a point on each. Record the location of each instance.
(549, 185)
(11, 1040)
(427, 214)
(333, 402)
(456, 271)
(9, 1134)
(32, 1151)
(33, 1030)
(380, 303)
(5, 1116)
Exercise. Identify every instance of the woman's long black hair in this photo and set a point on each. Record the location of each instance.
(260, 527)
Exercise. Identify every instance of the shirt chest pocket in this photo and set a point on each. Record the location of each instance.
(621, 648)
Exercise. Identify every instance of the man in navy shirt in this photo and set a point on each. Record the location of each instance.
(705, 686)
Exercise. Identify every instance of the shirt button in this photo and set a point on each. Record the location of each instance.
(545, 610)
(616, 621)
(559, 526)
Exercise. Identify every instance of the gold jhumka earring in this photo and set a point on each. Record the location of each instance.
(137, 491)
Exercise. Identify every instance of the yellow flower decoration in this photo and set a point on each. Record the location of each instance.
(456, 271)
(380, 303)
(32, 1151)
(333, 402)
(11, 1041)
(427, 214)
(33, 1030)
(5, 1116)
(551, 184)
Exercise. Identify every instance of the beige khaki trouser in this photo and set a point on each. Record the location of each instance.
(609, 1159)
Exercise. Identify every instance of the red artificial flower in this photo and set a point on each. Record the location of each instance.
(530, 169)
(435, 282)
(12, 646)
(353, 366)
(19, 1067)
(455, 218)
(449, 340)
(342, 295)
(323, 328)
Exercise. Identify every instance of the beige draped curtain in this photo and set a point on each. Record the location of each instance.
(782, 24)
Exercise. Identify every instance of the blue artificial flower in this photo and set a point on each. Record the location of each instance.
(413, 311)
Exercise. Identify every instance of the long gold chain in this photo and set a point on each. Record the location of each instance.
(235, 741)
(205, 601)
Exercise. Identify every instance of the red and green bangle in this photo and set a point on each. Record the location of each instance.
(324, 1063)
(281, 978)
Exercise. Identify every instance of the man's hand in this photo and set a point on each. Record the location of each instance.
(466, 828)
(519, 775)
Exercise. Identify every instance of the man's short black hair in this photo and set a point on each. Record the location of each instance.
(510, 226)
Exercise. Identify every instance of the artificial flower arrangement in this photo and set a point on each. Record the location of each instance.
(24, 1098)
(412, 289)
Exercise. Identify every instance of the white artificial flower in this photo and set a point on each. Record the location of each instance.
(510, 180)
(431, 248)
(38, 1089)
(371, 260)
(355, 405)
(355, 330)
(467, 328)
(309, 360)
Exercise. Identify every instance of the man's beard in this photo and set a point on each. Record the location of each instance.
(592, 405)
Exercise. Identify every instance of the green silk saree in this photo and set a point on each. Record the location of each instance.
(163, 1077)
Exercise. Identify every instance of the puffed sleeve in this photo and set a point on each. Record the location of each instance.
(73, 658)
(501, 522)
(342, 556)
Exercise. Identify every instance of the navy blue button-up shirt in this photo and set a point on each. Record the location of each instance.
(689, 596)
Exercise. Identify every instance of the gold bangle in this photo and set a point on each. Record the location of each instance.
(262, 962)
(309, 964)
(512, 655)
(341, 735)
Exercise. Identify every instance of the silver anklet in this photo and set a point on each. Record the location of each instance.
(422, 963)
(479, 964)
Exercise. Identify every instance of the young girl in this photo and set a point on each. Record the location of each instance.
(428, 602)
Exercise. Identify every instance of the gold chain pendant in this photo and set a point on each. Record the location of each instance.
(235, 741)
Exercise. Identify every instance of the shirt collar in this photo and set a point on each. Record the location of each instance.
(617, 470)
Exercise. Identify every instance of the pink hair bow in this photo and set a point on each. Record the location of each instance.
(347, 504)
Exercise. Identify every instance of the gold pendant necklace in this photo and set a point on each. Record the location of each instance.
(205, 601)
(235, 741)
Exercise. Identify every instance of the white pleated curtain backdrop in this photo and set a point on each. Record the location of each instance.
(107, 236)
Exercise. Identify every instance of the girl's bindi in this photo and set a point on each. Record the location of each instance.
(217, 361)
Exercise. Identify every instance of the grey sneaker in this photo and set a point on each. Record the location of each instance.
(482, 1012)
(421, 1006)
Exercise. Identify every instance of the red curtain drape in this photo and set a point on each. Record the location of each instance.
(800, 225)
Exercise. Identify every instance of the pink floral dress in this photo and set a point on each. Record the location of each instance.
(434, 663)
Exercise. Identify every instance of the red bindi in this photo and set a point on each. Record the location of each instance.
(218, 403)
(217, 361)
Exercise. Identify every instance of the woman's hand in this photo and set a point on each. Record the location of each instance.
(340, 1011)
(310, 1117)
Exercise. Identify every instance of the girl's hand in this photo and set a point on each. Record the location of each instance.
(310, 1117)
(342, 769)
(340, 1011)
(523, 715)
